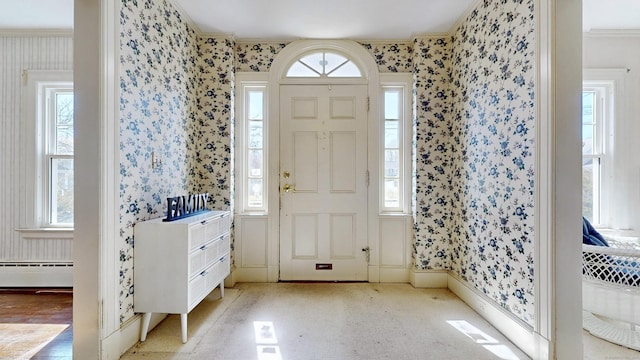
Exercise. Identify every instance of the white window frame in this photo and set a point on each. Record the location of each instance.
(400, 82)
(608, 85)
(246, 82)
(38, 86)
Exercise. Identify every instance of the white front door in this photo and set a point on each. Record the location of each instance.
(323, 162)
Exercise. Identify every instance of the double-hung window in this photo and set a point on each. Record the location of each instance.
(601, 99)
(49, 141)
(58, 156)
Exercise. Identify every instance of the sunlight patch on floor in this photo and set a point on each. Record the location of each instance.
(266, 341)
(22, 341)
(481, 338)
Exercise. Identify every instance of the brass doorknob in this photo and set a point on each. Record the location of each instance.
(288, 188)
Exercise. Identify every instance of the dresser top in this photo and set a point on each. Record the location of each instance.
(207, 215)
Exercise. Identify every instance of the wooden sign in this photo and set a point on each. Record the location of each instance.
(180, 207)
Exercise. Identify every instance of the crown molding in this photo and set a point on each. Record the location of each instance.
(474, 5)
(186, 17)
(595, 33)
(36, 32)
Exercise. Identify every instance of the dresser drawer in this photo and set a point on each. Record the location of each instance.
(207, 254)
(216, 227)
(208, 279)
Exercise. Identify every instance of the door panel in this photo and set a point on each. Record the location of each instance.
(323, 158)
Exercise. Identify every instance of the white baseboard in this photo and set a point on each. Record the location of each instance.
(252, 275)
(518, 332)
(428, 278)
(36, 275)
(117, 343)
(393, 275)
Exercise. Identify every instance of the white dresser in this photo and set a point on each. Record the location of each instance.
(178, 263)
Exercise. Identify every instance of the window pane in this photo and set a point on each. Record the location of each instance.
(588, 100)
(391, 193)
(347, 70)
(254, 193)
(64, 123)
(332, 61)
(588, 144)
(61, 207)
(391, 105)
(391, 134)
(591, 189)
(391, 163)
(299, 70)
(315, 61)
(255, 134)
(256, 107)
(255, 163)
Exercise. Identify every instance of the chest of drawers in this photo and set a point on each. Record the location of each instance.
(178, 263)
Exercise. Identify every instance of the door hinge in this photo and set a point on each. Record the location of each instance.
(368, 103)
(366, 177)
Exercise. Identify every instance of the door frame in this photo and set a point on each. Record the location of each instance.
(363, 59)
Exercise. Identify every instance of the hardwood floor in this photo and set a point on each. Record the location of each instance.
(41, 306)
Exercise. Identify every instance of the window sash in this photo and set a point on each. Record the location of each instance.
(392, 150)
(254, 146)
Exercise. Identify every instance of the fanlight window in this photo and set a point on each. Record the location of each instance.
(324, 64)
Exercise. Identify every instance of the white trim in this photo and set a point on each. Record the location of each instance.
(519, 333)
(404, 80)
(365, 62)
(612, 33)
(46, 233)
(438, 279)
(37, 32)
(34, 193)
(609, 85)
(557, 217)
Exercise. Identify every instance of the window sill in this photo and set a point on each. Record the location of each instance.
(46, 233)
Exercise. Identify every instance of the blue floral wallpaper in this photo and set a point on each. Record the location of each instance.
(162, 112)
(493, 113)
(433, 153)
(256, 57)
(474, 136)
(212, 168)
(391, 57)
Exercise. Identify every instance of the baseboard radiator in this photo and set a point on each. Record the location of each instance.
(36, 274)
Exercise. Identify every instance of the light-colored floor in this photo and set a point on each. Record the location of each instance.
(305, 321)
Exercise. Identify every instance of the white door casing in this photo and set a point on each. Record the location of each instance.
(323, 158)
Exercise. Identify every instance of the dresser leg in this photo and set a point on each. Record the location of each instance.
(146, 318)
(222, 289)
(183, 325)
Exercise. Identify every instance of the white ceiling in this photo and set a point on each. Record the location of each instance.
(292, 19)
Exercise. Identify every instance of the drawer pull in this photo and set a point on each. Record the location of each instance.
(222, 259)
(203, 273)
(203, 247)
(203, 222)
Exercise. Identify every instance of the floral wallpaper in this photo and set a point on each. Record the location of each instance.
(157, 104)
(494, 153)
(473, 124)
(391, 57)
(212, 168)
(256, 57)
(433, 153)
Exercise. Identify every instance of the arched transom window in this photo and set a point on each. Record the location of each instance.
(324, 64)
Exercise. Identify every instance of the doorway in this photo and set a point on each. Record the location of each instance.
(323, 182)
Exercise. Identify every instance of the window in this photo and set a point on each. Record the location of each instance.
(592, 152)
(253, 146)
(58, 113)
(395, 149)
(48, 133)
(323, 64)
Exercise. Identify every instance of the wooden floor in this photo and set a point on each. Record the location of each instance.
(41, 306)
